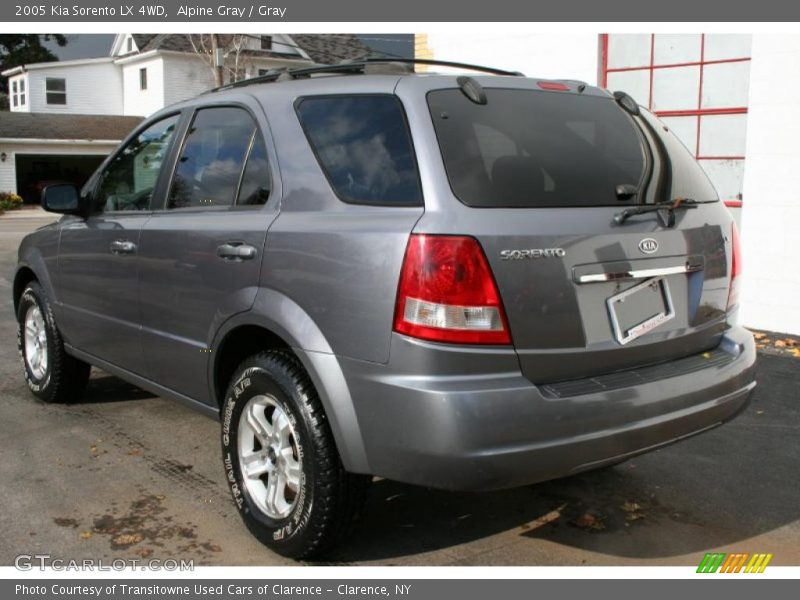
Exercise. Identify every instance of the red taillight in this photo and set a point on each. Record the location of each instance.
(736, 267)
(447, 293)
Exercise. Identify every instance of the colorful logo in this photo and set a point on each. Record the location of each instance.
(719, 562)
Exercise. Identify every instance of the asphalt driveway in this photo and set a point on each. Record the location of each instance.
(126, 474)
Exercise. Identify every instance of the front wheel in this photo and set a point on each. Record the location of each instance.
(281, 462)
(51, 373)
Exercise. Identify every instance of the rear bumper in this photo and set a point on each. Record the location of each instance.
(458, 430)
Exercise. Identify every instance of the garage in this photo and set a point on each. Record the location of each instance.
(39, 148)
(34, 171)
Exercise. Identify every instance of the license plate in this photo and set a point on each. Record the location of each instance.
(640, 309)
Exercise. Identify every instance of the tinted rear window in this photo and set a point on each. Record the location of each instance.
(363, 145)
(688, 180)
(526, 148)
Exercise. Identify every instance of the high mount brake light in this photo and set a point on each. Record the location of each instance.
(554, 86)
(447, 293)
(736, 267)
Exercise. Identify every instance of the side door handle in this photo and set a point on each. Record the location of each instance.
(236, 251)
(122, 247)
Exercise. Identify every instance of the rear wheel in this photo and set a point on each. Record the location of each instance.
(51, 373)
(281, 463)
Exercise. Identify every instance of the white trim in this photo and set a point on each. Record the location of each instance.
(62, 63)
(54, 142)
(117, 44)
(132, 58)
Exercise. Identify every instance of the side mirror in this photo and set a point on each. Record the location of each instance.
(61, 198)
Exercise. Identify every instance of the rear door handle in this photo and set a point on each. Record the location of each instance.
(122, 247)
(236, 251)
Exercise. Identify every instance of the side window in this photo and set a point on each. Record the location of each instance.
(129, 180)
(211, 161)
(256, 184)
(364, 148)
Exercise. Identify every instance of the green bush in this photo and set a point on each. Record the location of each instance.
(9, 201)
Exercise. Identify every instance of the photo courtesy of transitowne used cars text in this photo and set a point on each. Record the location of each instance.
(466, 282)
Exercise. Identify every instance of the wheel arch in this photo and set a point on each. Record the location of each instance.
(277, 322)
(23, 276)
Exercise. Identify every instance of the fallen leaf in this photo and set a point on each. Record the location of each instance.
(65, 522)
(759, 336)
(635, 516)
(780, 344)
(85, 535)
(631, 507)
(127, 539)
(589, 521)
(796, 352)
(143, 552)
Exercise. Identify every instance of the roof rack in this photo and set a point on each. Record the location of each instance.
(356, 66)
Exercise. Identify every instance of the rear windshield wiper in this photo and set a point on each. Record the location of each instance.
(665, 209)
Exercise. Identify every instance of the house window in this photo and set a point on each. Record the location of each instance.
(130, 44)
(142, 79)
(56, 90)
(18, 93)
(266, 42)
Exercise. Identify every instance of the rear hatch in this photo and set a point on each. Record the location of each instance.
(537, 177)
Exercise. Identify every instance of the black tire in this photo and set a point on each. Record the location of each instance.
(329, 499)
(64, 378)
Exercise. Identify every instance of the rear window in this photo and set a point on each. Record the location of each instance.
(687, 178)
(526, 148)
(364, 148)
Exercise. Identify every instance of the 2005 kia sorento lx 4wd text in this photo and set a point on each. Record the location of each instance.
(463, 282)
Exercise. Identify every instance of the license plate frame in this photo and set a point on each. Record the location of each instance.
(666, 313)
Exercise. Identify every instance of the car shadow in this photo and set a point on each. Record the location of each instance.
(106, 388)
(717, 489)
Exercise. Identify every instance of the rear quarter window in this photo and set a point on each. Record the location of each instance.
(527, 148)
(364, 148)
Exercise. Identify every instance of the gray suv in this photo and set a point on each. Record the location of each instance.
(461, 282)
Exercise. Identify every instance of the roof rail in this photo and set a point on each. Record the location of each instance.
(355, 66)
(438, 63)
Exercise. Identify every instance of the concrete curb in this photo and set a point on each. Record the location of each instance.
(28, 213)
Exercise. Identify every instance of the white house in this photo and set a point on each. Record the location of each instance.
(41, 138)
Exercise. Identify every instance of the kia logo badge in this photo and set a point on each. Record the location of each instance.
(648, 246)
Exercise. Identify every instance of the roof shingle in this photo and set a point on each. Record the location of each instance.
(321, 48)
(65, 126)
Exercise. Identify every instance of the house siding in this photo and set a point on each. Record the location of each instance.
(531, 54)
(92, 89)
(188, 76)
(142, 103)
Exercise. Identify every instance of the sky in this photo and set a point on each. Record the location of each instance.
(96, 45)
